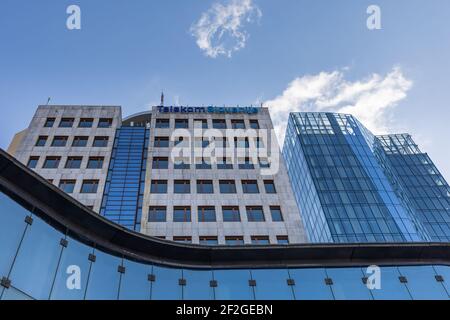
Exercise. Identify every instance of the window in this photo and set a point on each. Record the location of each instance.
(158, 186)
(255, 214)
(89, 186)
(183, 239)
(52, 162)
(162, 123)
(241, 143)
(224, 164)
(205, 186)
(59, 141)
(161, 142)
(282, 239)
(105, 123)
(32, 163)
(74, 162)
(234, 241)
(220, 143)
(182, 186)
(219, 124)
(202, 143)
(227, 186)
(238, 124)
(231, 214)
(260, 240)
(259, 143)
(254, 124)
(181, 123)
(246, 164)
(41, 141)
(201, 123)
(160, 163)
(269, 185)
(181, 164)
(206, 214)
(250, 186)
(100, 142)
(67, 185)
(86, 123)
(203, 164)
(264, 163)
(277, 216)
(66, 122)
(209, 241)
(80, 141)
(157, 214)
(95, 162)
(49, 123)
(182, 214)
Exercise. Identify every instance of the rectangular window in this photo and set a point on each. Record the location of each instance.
(161, 142)
(60, 141)
(209, 241)
(41, 141)
(182, 186)
(238, 124)
(201, 123)
(224, 164)
(206, 214)
(205, 186)
(241, 143)
(32, 163)
(158, 186)
(269, 185)
(95, 162)
(203, 164)
(52, 162)
(227, 186)
(162, 123)
(219, 124)
(105, 123)
(182, 239)
(260, 240)
(234, 241)
(100, 142)
(250, 186)
(201, 143)
(246, 164)
(182, 214)
(80, 141)
(160, 163)
(282, 239)
(66, 122)
(181, 123)
(255, 214)
(275, 211)
(157, 214)
(259, 143)
(182, 164)
(74, 162)
(86, 123)
(231, 214)
(49, 123)
(254, 124)
(89, 186)
(67, 186)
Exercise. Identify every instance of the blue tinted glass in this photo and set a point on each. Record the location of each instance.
(444, 271)
(233, 285)
(310, 284)
(41, 249)
(391, 287)
(104, 278)
(422, 283)
(165, 286)
(134, 284)
(272, 284)
(14, 294)
(348, 284)
(13, 225)
(74, 258)
(198, 285)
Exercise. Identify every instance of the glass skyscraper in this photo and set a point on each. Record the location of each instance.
(352, 186)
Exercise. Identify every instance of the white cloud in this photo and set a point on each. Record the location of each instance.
(220, 30)
(369, 100)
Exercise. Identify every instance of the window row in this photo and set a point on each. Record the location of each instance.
(208, 214)
(203, 123)
(230, 240)
(206, 164)
(87, 186)
(78, 141)
(53, 162)
(207, 186)
(82, 123)
(219, 142)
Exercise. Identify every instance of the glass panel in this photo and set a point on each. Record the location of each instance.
(134, 284)
(310, 284)
(13, 225)
(41, 250)
(233, 285)
(14, 294)
(391, 288)
(74, 256)
(272, 284)
(444, 271)
(348, 284)
(165, 286)
(104, 278)
(198, 285)
(422, 283)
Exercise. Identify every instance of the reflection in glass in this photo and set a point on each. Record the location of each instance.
(310, 284)
(391, 287)
(198, 285)
(104, 278)
(422, 283)
(272, 285)
(233, 285)
(134, 284)
(165, 286)
(348, 284)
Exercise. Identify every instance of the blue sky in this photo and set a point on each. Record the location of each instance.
(128, 51)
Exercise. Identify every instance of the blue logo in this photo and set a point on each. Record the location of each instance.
(210, 109)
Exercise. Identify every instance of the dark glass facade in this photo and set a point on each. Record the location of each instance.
(341, 185)
(125, 184)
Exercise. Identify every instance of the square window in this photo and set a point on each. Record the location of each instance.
(52, 162)
(260, 240)
(277, 216)
(100, 142)
(89, 186)
(246, 164)
(95, 162)
(182, 214)
(283, 240)
(60, 141)
(234, 241)
(254, 124)
(74, 162)
(255, 214)
(250, 186)
(157, 214)
(182, 186)
(66, 122)
(205, 186)
(67, 186)
(162, 123)
(181, 123)
(269, 185)
(219, 124)
(231, 214)
(160, 163)
(41, 141)
(161, 142)
(86, 123)
(227, 186)
(201, 123)
(32, 163)
(209, 241)
(105, 123)
(238, 124)
(158, 186)
(206, 214)
(80, 141)
(49, 123)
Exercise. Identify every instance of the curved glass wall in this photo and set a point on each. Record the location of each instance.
(37, 261)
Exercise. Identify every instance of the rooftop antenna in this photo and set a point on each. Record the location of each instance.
(48, 101)
(162, 99)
